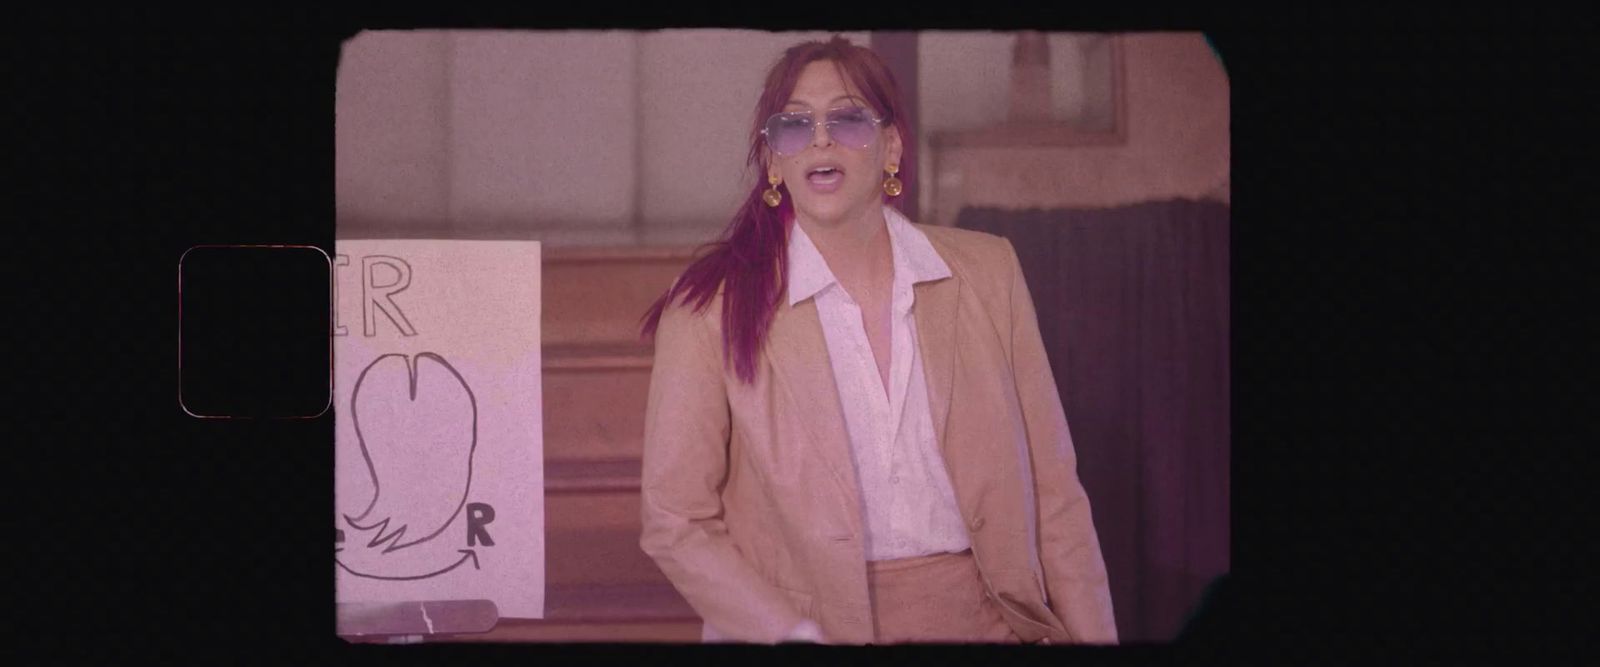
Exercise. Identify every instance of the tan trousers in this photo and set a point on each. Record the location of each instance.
(933, 599)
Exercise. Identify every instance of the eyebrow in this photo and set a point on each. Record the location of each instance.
(836, 99)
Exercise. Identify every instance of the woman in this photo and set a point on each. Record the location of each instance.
(853, 434)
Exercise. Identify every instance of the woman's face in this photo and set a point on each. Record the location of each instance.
(855, 185)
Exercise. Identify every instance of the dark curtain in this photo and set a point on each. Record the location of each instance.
(1133, 307)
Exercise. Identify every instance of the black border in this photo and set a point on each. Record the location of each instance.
(1378, 291)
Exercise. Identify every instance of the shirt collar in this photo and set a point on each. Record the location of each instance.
(808, 273)
(923, 263)
(914, 257)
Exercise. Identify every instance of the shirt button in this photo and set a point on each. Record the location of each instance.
(977, 524)
(894, 479)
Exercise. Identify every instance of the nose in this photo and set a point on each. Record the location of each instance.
(820, 137)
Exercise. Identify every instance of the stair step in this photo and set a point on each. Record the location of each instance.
(614, 603)
(600, 586)
(593, 537)
(600, 355)
(592, 510)
(598, 557)
(595, 412)
(581, 476)
(599, 294)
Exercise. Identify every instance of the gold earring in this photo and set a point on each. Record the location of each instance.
(891, 185)
(772, 197)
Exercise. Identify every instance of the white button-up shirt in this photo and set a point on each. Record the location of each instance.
(909, 505)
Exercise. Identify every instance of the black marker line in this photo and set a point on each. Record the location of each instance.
(355, 419)
(368, 328)
(395, 539)
(379, 536)
(465, 554)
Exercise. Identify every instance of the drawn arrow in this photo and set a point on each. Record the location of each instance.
(465, 555)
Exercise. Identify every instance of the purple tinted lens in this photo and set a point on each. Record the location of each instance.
(850, 127)
(789, 133)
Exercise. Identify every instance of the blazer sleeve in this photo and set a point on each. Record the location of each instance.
(685, 464)
(1074, 569)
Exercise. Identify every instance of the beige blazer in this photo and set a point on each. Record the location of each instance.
(751, 506)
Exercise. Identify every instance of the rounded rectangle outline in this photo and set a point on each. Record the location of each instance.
(325, 258)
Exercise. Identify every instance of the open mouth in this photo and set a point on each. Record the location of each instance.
(825, 175)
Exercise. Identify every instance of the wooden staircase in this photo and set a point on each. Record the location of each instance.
(600, 587)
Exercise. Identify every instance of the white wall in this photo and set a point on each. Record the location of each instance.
(543, 129)
(570, 137)
(605, 138)
(698, 91)
(390, 130)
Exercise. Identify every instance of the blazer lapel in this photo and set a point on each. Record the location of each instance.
(935, 312)
(799, 357)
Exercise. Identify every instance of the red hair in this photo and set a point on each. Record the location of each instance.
(749, 260)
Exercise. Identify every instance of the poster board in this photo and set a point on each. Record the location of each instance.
(439, 479)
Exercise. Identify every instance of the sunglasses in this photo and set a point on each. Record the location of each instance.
(790, 132)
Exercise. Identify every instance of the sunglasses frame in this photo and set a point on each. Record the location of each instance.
(827, 125)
